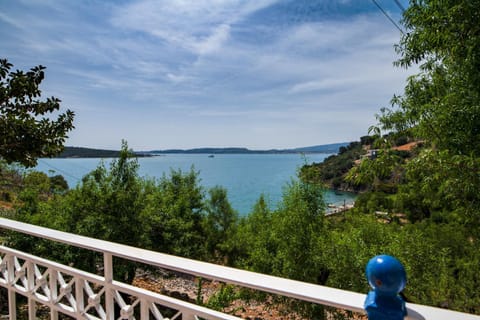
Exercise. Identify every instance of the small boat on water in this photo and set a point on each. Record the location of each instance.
(211, 156)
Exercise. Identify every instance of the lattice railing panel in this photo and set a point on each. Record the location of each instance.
(83, 295)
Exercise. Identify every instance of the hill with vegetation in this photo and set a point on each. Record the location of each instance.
(336, 170)
(80, 152)
(333, 169)
(327, 148)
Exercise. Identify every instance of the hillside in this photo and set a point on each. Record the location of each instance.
(334, 168)
(327, 148)
(79, 152)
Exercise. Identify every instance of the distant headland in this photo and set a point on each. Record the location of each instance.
(81, 152)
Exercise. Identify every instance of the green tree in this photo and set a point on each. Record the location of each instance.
(297, 225)
(373, 172)
(107, 204)
(256, 240)
(285, 242)
(27, 131)
(442, 103)
(442, 186)
(173, 216)
(58, 184)
(441, 106)
(36, 188)
(38, 181)
(220, 225)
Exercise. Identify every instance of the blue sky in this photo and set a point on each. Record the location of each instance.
(209, 73)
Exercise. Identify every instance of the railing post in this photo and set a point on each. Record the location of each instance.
(12, 305)
(32, 306)
(109, 295)
(53, 294)
(79, 300)
(387, 277)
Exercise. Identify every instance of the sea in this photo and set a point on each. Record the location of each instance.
(245, 176)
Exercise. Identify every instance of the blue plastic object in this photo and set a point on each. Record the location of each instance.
(387, 277)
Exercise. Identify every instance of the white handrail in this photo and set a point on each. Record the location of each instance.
(290, 288)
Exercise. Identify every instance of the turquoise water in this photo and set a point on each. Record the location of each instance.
(245, 176)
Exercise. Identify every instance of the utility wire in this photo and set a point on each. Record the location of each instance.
(400, 5)
(59, 170)
(388, 17)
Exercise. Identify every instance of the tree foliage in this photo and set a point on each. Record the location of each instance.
(220, 225)
(256, 239)
(27, 131)
(441, 107)
(296, 226)
(442, 186)
(174, 214)
(371, 173)
(442, 102)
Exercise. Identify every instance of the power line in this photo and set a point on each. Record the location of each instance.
(59, 170)
(400, 5)
(388, 17)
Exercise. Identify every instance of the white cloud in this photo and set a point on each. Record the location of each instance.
(200, 26)
(322, 85)
(14, 23)
(214, 41)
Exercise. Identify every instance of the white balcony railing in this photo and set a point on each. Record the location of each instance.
(81, 295)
